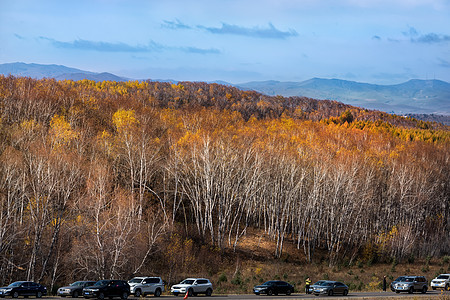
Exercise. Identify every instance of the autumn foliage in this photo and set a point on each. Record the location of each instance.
(98, 179)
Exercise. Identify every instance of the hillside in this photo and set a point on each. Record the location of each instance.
(428, 100)
(414, 96)
(59, 72)
(112, 179)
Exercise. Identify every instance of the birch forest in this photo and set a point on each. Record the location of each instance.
(112, 179)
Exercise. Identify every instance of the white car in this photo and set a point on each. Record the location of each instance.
(193, 287)
(146, 285)
(441, 282)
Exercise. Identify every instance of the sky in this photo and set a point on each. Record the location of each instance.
(374, 41)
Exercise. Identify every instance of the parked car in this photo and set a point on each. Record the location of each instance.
(274, 287)
(107, 288)
(330, 288)
(74, 289)
(411, 284)
(316, 284)
(441, 282)
(398, 279)
(193, 287)
(23, 288)
(146, 285)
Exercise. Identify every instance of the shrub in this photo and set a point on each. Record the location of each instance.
(223, 278)
(237, 279)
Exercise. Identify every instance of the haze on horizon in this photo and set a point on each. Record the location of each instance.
(377, 41)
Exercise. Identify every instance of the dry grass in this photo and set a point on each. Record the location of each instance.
(254, 263)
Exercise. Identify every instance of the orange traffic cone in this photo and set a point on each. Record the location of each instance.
(187, 295)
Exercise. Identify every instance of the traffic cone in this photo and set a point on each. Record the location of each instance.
(187, 295)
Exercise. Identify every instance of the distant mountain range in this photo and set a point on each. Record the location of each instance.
(414, 96)
(55, 71)
(411, 97)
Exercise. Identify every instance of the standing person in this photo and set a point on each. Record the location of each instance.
(307, 285)
(384, 283)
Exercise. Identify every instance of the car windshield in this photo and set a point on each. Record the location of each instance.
(268, 283)
(14, 284)
(187, 281)
(320, 282)
(327, 283)
(401, 278)
(443, 277)
(408, 279)
(77, 283)
(135, 280)
(101, 282)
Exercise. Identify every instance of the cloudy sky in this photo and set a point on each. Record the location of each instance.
(376, 41)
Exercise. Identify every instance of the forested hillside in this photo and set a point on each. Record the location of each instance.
(112, 179)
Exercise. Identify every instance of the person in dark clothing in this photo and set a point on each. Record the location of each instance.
(384, 283)
(307, 285)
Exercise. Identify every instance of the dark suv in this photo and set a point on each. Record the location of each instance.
(107, 288)
(74, 289)
(23, 288)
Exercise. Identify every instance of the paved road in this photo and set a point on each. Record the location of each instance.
(355, 295)
(352, 295)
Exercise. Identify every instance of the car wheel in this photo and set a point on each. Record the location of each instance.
(269, 292)
(345, 292)
(447, 287)
(39, 294)
(124, 296)
(288, 292)
(208, 292)
(137, 293)
(433, 288)
(398, 292)
(330, 293)
(424, 290)
(15, 295)
(175, 294)
(101, 296)
(75, 294)
(411, 290)
(190, 293)
(158, 292)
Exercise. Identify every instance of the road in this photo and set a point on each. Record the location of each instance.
(352, 295)
(355, 295)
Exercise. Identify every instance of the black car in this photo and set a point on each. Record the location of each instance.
(74, 289)
(107, 288)
(330, 288)
(274, 287)
(23, 288)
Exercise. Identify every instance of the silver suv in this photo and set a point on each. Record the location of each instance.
(146, 285)
(441, 282)
(411, 284)
(193, 287)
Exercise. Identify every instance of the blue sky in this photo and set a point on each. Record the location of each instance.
(376, 41)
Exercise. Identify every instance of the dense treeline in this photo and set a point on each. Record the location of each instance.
(98, 179)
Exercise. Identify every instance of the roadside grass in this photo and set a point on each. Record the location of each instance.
(253, 263)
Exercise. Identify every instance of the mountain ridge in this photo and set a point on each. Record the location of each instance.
(415, 96)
